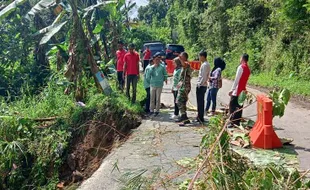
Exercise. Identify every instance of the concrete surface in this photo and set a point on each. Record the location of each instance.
(158, 143)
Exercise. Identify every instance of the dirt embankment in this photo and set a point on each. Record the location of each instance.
(95, 133)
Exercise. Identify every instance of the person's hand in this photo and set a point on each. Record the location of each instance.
(230, 93)
(179, 85)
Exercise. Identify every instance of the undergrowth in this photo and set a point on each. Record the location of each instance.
(35, 131)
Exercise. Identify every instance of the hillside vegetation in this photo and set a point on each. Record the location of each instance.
(276, 35)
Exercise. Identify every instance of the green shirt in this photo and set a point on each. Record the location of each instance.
(146, 82)
(176, 78)
(157, 75)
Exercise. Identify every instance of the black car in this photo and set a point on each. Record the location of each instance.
(173, 50)
(155, 47)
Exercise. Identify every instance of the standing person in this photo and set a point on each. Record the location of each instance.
(184, 87)
(176, 78)
(147, 87)
(202, 85)
(131, 71)
(215, 84)
(157, 75)
(242, 76)
(146, 57)
(120, 54)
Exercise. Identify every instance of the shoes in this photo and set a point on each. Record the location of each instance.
(174, 117)
(211, 114)
(182, 124)
(182, 118)
(229, 126)
(156, 113)
(199, 121)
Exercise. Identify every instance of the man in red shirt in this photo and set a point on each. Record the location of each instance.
(147, 57)
(120, 54)
(241, 80)
(131, 71)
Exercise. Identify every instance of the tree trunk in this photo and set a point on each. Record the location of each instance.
(80, 56)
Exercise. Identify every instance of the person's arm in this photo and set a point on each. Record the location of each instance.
(207, 74)
(125, 67)
(237, 79)
(217, 74)
(202, 76)
(165, 75)
(149, 73)
(138, 65)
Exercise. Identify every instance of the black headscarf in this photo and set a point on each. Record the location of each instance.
(219, 63)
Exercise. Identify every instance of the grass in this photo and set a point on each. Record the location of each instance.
(295, 85)
(31, 152)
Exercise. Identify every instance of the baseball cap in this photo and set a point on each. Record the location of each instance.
(157, 54)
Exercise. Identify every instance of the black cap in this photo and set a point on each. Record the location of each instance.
(157, 54)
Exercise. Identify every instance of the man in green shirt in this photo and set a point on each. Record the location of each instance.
(157, 75)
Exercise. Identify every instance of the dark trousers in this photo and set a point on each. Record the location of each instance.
(176, 108)
(200, 95)
(120, 79)
(212, 94)
(145, 63)
(233, 106)
(132, 80)
(147, 100)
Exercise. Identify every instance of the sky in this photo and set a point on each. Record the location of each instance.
(139, 3)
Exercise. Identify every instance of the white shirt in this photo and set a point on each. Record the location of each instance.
(204, 74)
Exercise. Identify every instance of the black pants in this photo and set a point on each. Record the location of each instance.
(147, 100)
(176, 108)
(233, 106)
(145, 63)
(132, 80)
(120, 79)
(200, 94)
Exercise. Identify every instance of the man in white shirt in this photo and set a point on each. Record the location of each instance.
(240, 83)
(202, 85)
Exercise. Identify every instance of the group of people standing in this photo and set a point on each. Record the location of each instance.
(155, 75)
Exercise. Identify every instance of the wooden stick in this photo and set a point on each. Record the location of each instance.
(191, 185)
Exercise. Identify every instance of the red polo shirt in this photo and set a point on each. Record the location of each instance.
(132, 62)
(120, 54)
(147, 55)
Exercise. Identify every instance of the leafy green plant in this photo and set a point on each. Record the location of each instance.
(280, 100)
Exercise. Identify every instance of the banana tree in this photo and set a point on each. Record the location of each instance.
(68, 13)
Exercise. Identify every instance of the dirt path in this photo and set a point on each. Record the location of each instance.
(294, 124)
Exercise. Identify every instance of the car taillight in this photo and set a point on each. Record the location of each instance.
(168, 51)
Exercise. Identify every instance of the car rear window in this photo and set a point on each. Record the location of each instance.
(176, 48)
(156, 47)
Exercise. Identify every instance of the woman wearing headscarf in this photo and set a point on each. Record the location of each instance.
(215, 84)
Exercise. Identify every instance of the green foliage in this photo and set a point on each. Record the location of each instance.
(227, 170)
(274, 33)
(31, 151)
(280, 100)
(156, 9)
